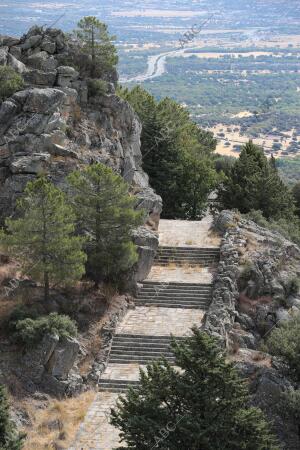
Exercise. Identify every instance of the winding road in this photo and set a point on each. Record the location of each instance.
(156, 65)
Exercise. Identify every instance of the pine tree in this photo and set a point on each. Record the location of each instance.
(199, 179)
(97, 43)
(254, 184)
(203, 406)
(105, 211)
(296, 195)
(43, 236)
(9, 438)
(172, 144)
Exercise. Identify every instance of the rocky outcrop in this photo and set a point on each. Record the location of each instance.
(52, 126)
(254, 291)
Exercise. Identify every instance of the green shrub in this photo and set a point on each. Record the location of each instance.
(29, 332)
(289, 228)
(284, 342)
(292, 286)
(10, 82)
(97, 88)
(9, 438)
(291, 404)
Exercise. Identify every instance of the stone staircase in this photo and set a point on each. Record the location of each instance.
(168, 304)
(174, 295)
(187, 255)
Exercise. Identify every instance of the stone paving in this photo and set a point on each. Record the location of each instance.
(95, 432)
(129, 372)
(155, 321)
(184, 233)
(185, 274)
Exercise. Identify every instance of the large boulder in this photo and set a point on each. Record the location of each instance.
(66, 75)
(147, 242)
(40, 78)
(44, 101)
(63, 358)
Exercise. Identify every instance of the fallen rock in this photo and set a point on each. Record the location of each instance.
(63, 358)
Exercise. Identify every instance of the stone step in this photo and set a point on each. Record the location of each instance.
(184, 258)
(117, 390)
(146, 337)
(172, 298)
(180, 264)
(187, 255)
(189, 292)
(176, 287)
(136, 342)
(146, 347)
(143, 361)
(189, 262)
(138, 360)
(127, 382)
(173, 305)
(117, 385)
(180, 294)
(161, 290)
(132, 352)
(189, 249)
(114, 390)
(175, 284)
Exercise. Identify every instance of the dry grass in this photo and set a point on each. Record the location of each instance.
(190, 242)
(248, 305)
(259, 356)
(171, 266)
(56, 426)
(213, 239)
(7, 271)
(190, 268)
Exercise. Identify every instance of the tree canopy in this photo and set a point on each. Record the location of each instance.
(253, 183)
(106, 214)
(202, 406)
(42, 236)
(172, 145)
(9, 438)
(98, 45)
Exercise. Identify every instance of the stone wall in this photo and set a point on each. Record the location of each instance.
(252, 295)
(221, 315)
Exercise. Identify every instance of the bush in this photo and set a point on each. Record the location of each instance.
(289, 228)
(292, 286)
(284, 342)
(97, 88)
(9, 438)
(10, 82)
(29, 332)
(204, 405)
